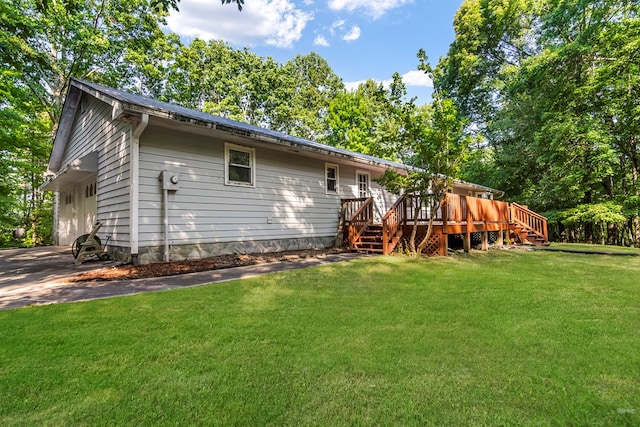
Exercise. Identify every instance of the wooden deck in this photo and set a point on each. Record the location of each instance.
(458, 215)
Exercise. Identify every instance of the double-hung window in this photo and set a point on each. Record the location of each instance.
(239, 165)
(331, 178)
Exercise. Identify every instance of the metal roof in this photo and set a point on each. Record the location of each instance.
(160, 108)
(136, 103)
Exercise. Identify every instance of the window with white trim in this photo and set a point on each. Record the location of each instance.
(331, 178)
(239, 165)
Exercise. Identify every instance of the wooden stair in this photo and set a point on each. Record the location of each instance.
(524, 235)
(527, 226)
(370, 240)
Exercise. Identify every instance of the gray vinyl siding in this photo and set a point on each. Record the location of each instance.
(288, 201)
(93, 130)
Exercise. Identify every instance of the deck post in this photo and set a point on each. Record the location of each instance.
(444, 237)
(445, 214)
(500, 239)
(467, 234)
(444, 244)
(485, 238)
(485, 233)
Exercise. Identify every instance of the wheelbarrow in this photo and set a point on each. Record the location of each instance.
(90, 244)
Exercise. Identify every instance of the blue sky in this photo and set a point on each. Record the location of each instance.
(360, 39)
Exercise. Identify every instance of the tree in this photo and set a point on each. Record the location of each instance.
(24, 147)
(163, 5)
(81, 39)
(435, 145)
(552, 87)
(367, 120)
(43, 44)
(310, 85)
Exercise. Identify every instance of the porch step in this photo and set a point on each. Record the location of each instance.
(371, 240)
(525, 235)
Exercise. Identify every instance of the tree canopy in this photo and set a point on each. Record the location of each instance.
(552, 87)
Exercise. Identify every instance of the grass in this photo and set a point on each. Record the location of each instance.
(499, 338)
(595, 248)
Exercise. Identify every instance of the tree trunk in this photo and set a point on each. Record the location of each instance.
(425, 241)
(633, 158)
(611, 234)
(433, 209)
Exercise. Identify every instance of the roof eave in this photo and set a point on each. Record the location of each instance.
(126, 110)
(71, 103)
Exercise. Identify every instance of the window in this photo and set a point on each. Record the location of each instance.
(239, 165)
(331, 176)
(362, 179)
(90, 190)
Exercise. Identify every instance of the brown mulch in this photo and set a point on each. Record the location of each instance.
(129, 271)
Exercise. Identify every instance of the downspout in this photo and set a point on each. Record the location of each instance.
(56, 218)
(165, 202)
(134, 195)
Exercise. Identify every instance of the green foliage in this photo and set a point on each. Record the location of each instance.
(433, 142)
(597, 213)
(368, 120)
(24, 147)
(553, 87)
(501, 338)
(311, 84)
(479, 166)
(43, 44)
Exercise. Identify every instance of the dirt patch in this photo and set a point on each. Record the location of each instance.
(128, 271)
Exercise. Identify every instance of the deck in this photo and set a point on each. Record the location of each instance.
(457, 215)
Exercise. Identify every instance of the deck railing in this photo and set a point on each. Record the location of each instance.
(415, 212)
(350, 206)
(458, 209)
(392, 223)
(533, 221)
(456, 214)
(360, 219)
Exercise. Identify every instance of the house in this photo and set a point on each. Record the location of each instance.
(170, 183)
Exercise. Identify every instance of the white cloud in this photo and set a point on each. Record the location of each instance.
(413, 78)
(337, 25)
(416, 78)
(320, 41)
(352, 35)
(273, 22)
(351, 86)
(375, 8)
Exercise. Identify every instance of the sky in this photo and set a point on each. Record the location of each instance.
(360, 39)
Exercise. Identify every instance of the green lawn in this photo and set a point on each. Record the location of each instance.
(500, 338)
(594, 248)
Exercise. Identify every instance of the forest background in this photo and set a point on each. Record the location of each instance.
(546, 93)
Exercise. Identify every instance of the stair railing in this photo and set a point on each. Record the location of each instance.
(359, 221)
(532, 221)
(392, 223)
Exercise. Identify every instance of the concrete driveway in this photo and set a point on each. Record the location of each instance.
(30, 271)
(36, 276)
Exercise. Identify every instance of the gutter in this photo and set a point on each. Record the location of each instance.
(125, 109)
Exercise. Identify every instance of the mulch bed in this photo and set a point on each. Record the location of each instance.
(129, 271)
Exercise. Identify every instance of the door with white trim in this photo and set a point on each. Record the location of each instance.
(89, 206)
(363, 181)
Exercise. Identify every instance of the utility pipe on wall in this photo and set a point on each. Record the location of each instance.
(165, 202)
